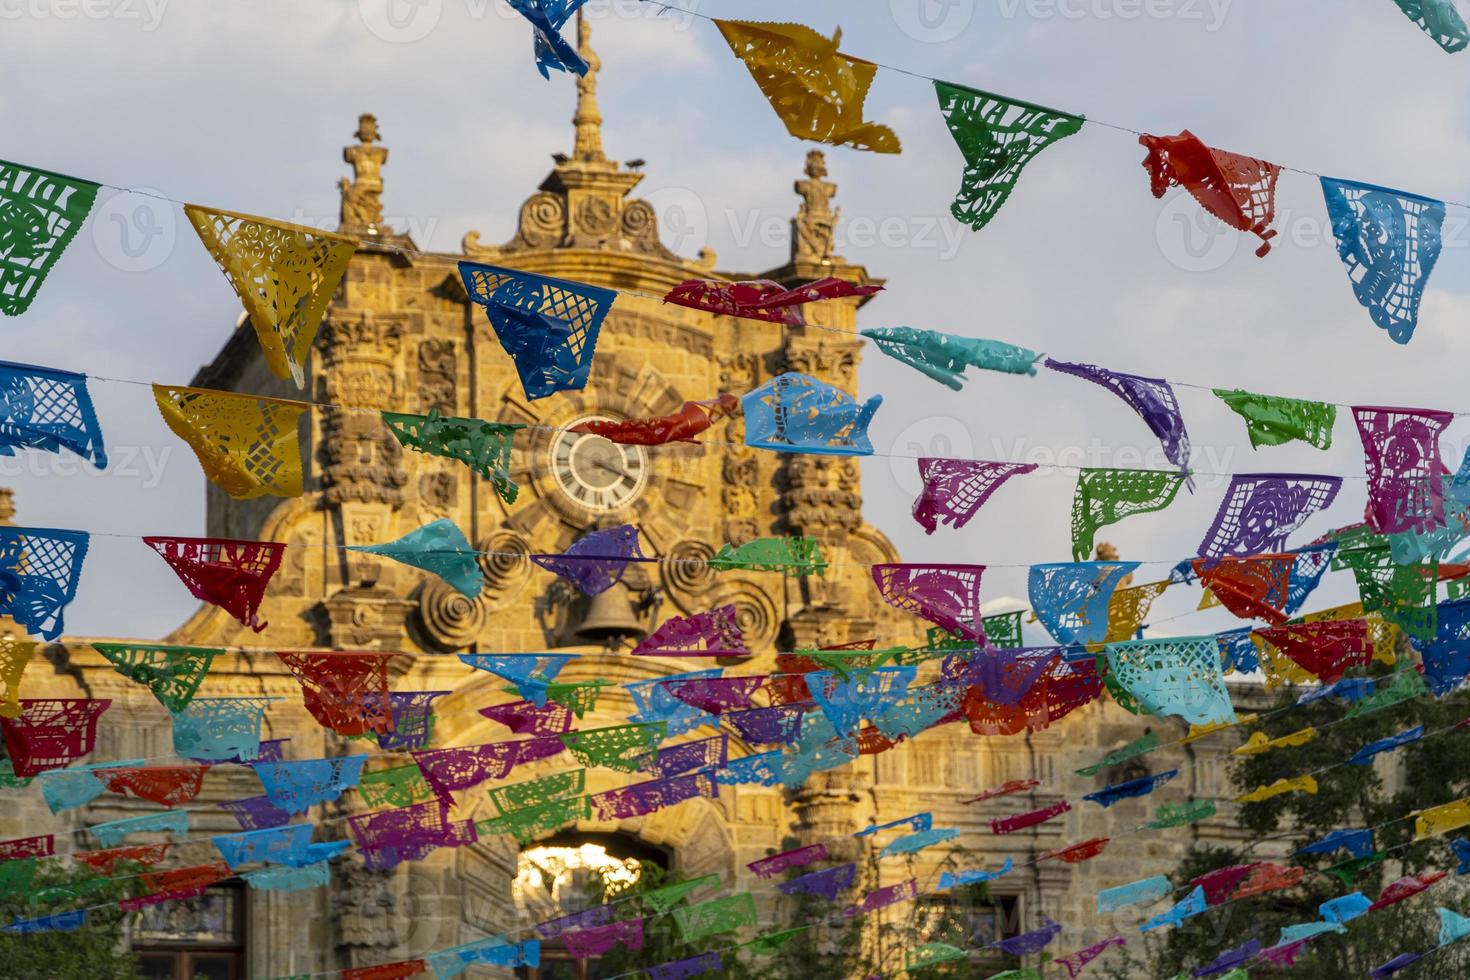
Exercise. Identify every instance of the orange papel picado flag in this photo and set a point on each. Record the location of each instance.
(284, 274)
(246, 444)
(816, 90)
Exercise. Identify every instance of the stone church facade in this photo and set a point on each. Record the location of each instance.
(402, 335)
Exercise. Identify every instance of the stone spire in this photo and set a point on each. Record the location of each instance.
(588, 118)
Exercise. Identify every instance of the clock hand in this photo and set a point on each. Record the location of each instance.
(613, 469)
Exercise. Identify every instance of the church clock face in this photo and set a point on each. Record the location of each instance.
(597, 474)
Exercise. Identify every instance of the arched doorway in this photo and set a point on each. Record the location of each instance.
(558, 876)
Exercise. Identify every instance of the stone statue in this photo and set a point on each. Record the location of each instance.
(362, 196)
(816, 220)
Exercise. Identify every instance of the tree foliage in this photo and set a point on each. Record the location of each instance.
(96, 951)
(1382, 796)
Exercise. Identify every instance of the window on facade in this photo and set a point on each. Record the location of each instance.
(556, 878)
(201, 938)
(972, 925)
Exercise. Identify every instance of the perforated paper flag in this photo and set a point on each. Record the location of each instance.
(1440, 20)
(346, 692)
(696, 922)
(1140, 746)
(530, 672)
(882, 898)
(816, 90)
(40, 213)
(946, 595)
(1358, 843)
(439, 547)
(790, 555)
(1237, 189)
(1145, 891)
(955, 489)
(643, 798)
(164, 785)
(1436, 820)
(948, 880)
(1071, 599)
(1265, 586)
(290, 845)
(1365, 755)
(51, 733)
(226, 573)
(1152, 398)
(619, 747)
(596, 561)
(1023, 821)
(1107, 496)
(467, 766)
(296, 786)
(495, 951)
(1190, 906)
(1405, 888)
(1297, 784)
(681, 426)
(796, 413)
(284, 274)
(172, 673)
(601, 940)
(56, 922)
(1057, 692)
(1401, 445)
(1452, 926)
(247, 445)
(1260, 510)
(691, 966)
(45, 409)
(715, 633)
(114, 832)
(1131, 789)
(1174, 676)
(67, 789)
(220, 729)
(1030, 943)
(762, 299)
(1404, 595)
(1389, 241)
(944, 356)
(845, 702)
(1076, 853)
(1326, 649)
(1271, 420)
(1077, 962)
(655, 703)
(383, 971)
(1260, 742)
(39, 571)
(548, 326)
(998, 137)
(485, 447)
(547, 18)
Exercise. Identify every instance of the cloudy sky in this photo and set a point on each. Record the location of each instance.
(246, 105)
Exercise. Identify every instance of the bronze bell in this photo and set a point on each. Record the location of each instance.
(610, 618)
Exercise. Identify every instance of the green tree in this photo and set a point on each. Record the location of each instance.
(1430, 772)
(96, 951)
